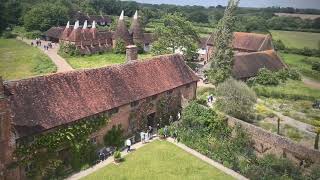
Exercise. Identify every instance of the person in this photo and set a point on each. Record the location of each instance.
(150, 132)
(44, 47)
(179, 115)
(142, 137)
(128, 143)
(31, 43)
(170, 119)
(175, 135)
(47, 47)
(165, 131)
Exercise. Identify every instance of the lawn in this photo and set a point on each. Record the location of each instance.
(293, 39)
(303, 64)
(99, 60)
(19, 60)
(159, 160)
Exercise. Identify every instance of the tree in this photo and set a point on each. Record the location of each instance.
(235, 98)
(199, 17)
(223, 54)
(176, 34)
(44, 16)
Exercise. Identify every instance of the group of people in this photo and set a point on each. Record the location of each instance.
(211, 99)
(146, 136)
(38, 43)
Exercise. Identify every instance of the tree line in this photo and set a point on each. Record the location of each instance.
(43, 14)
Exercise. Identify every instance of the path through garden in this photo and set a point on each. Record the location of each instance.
(61, 63)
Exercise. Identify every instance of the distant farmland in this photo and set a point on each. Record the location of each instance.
(302, 16)
(293, 39)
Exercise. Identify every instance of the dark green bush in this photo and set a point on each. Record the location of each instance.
(120, 47)
(279, 45)
(68, 49)
(114, 137)
(33, 34)
(266, 77)
(316, 66)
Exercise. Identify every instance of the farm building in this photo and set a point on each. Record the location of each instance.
(90, 40)
(44, 104)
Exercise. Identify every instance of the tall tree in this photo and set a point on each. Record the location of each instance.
(176, 34)
(222, 59)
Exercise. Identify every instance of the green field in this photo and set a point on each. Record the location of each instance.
(290, 90)
(159, 160)
(19, 60)
(303, 64)
(99, 60)
(293, 39)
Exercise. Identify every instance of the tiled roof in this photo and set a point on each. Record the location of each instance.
(247, 65)
(45, 102)
(54, 32)
(250, 42)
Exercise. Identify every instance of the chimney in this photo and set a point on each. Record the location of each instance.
(131, 53)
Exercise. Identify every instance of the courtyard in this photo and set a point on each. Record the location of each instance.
(162, 158)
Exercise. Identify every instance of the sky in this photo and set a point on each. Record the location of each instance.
(314, 4)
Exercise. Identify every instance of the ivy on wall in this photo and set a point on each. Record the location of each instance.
(168, 106)
(139, 115)
(42, 154)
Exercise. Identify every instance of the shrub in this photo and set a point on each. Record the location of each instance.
(266, 77)
(114, 137)
(278, 45)
(33, 34)
(294, 74)
(140, 47)
(161, 133)
(117, 156)
(69, 49)
(316, 66)
(236, 99)
(120, 47)
(8, 35)
(271, 167)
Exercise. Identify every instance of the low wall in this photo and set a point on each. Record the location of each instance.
(266, 142)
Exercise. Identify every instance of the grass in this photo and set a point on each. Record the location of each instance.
(99, 60)
(294, 90)
(303, 64)
(300, 110)
(293, 39)
(159, 160)
(19, 60)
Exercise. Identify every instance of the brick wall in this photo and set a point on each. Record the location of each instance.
(266, 142)
(188, 92)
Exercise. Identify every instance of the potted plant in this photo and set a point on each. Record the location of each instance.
(161, 133)
(117, 156)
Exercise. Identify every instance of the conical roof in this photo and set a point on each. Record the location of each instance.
(136, 29)
(66, 32)
(122, 31)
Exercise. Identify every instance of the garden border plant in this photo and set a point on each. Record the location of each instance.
(41, 154)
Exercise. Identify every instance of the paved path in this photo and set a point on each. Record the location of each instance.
(304, 127)
(62, 64)
(209, 161)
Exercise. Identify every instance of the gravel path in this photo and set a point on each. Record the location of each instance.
(61, 63)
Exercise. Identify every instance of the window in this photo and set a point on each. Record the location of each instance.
(170, 92)
(135, 103)
(188, 86)
(114, 111)
(151, 98)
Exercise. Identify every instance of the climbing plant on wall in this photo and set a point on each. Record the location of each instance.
(42, 154)
(168, 106)
(140, 115)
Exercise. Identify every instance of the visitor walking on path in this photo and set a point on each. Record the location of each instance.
(128, 143)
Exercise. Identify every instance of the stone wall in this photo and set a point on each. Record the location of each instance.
(266, 142)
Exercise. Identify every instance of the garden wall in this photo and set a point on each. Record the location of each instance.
(266, 142)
